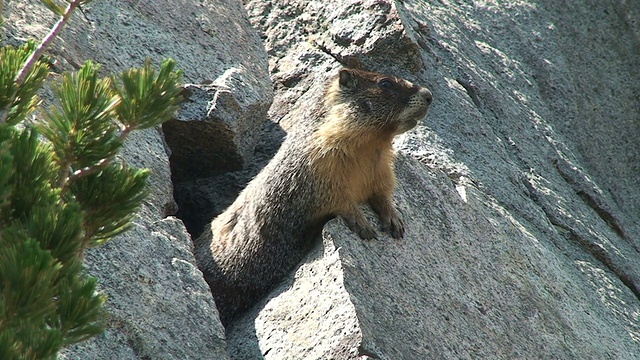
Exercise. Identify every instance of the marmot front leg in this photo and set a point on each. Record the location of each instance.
(358, 223)
(391, 221)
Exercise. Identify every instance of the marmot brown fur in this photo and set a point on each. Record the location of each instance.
(329, 170)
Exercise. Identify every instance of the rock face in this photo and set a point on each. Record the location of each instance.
(518, 190)
(159, 305)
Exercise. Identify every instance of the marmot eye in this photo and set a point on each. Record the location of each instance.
(385, 84)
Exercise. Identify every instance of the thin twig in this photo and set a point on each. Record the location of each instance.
(31, 60)
(64, 175)
(100, 165)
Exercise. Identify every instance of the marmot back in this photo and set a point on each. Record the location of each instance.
(346, 160)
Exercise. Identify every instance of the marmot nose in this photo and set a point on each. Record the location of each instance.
(426, 95)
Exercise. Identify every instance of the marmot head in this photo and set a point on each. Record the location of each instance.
(384, 101)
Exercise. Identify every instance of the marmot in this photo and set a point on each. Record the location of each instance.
(318, 173)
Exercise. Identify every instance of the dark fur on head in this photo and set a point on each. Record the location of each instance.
(390, 102)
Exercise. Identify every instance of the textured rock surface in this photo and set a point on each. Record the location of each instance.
(218, 127)
(518, 190)
(309, 316)
(159, 305)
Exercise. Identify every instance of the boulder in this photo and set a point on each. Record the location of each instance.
(159, 305)
(517, 190)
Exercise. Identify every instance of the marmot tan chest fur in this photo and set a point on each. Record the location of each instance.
(329, 170)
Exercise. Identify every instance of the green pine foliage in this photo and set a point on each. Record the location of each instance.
(63, 189)
(19, 100)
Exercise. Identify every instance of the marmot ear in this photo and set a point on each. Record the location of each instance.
(347, 79)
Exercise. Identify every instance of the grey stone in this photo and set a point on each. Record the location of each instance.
(230, 105)
(309, 316)
(518, 189)
(231, 110)
(159, 306)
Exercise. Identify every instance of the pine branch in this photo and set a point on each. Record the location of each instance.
(47, 302)
(146, 100)
(64, 175)
(80, 173)
(33, 58)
